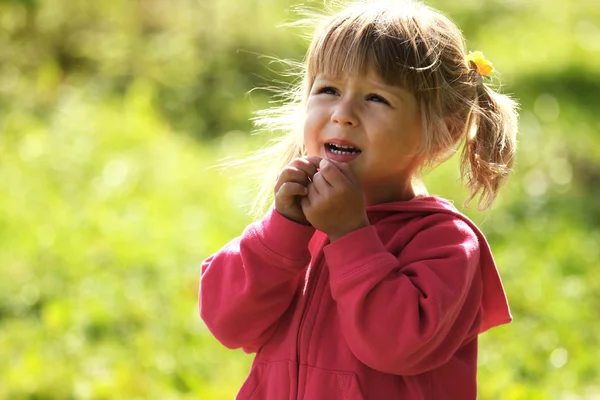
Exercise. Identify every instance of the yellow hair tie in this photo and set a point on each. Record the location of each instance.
(479, 63)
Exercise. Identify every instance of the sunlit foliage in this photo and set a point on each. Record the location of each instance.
(111, 115)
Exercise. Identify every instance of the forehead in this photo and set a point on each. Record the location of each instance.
(366, 46)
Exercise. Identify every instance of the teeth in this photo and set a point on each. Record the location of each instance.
(343, 152)
(343, 149)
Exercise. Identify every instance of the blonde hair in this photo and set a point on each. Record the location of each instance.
(413, 46)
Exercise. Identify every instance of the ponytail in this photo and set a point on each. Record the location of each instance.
(489, 151)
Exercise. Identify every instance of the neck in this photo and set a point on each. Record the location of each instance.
(386, 193)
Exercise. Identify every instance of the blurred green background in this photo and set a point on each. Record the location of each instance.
(112, 112)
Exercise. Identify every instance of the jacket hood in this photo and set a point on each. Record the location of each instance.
(494, 305)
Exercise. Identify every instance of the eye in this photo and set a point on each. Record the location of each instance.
(377, 99)
(328, 90)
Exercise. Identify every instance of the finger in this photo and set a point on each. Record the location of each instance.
(312, 193)
(291, 189)
(320, 183)
(333, 172)
(313, 160)
(307, 165)
(292, 174)
(304, 204)
(346, 170)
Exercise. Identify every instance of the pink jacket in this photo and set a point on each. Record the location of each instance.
(390, 311)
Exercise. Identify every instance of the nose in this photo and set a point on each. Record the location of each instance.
(344, 114)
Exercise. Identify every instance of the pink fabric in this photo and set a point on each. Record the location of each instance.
(390, 311)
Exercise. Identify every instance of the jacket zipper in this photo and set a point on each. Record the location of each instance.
(310, 292)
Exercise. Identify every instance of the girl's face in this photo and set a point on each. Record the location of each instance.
(374, 127)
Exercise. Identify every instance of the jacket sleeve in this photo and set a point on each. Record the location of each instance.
(409, 313)
(251, 281)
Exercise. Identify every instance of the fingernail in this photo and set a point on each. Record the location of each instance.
(323, 162)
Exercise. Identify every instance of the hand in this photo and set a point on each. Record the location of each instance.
(335, 202)
(291, 184)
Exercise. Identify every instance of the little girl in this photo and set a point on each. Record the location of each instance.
(357, 284)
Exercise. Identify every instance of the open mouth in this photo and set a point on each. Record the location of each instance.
(342, 150)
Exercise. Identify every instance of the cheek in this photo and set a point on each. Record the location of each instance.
(310, 141)
(311, 136)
